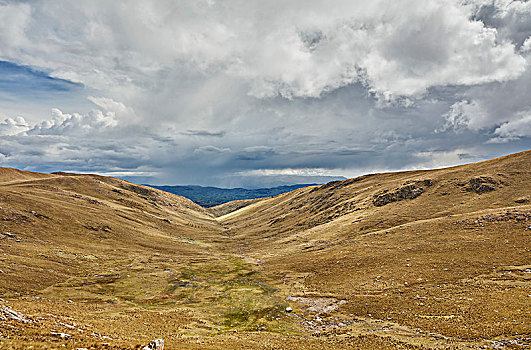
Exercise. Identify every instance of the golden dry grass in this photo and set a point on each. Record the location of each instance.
(420, 259)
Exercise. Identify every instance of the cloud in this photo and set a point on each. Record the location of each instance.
(210, 149)
(305, 50)
(514, 129)
(255, 153)
(486, 107)
(205, 91)
(109, 104)
(13, 126)
(398, 49)
(262, 181)
(204, 133)
(74, 124)
(70, 140)
(438, 159)
(288, 171)
(511, 19)
(127, 173)
(14, 18)
(526, 46)
(464, 114)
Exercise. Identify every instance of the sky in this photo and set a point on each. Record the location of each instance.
(244, 93)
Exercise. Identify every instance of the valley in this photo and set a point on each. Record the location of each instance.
(406, 260)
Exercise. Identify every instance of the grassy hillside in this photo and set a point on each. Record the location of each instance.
(213, 196)
(446, 251)
(413, 260)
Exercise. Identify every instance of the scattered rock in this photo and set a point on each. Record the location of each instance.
(502, 344)
(62, 335)
(8, 314)
(7, 234)
(88, 199)
(69, 326)
(289, 309)
(521, 200)
(517, 216)
(157, 344)
(320, 305)
(39, 215)
(97, 227)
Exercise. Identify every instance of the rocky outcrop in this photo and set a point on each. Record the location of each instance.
(409, 191)
(481, 184)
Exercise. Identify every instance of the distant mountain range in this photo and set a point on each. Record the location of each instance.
(212, 196)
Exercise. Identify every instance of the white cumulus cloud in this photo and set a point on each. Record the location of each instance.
(13, 126)
(74, 124)
(514, 129)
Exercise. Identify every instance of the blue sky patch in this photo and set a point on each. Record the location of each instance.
(21, 81)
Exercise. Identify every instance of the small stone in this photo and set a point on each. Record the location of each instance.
(157, 344)
(289, 309)
(62, 335)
